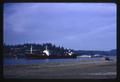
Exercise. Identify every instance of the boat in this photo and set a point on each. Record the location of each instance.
(45, 54)
(35, 55)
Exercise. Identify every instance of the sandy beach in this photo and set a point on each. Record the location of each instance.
(62, 70)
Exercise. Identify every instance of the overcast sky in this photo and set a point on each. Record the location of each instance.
(80, 26)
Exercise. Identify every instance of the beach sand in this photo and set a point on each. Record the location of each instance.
(62, 70)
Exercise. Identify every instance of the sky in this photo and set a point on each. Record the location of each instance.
(80, 26)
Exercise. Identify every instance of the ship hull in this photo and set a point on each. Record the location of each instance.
(61, 57)
(29, 56)
(38, 56)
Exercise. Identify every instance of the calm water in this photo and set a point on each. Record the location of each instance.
(8, 61)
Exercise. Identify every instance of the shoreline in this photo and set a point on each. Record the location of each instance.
(62, 70)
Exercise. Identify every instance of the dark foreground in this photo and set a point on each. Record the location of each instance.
(63, 70)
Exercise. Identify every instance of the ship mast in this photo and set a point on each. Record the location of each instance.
(46, 48)
(31, 49)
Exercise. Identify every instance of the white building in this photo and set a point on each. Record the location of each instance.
(86, 56)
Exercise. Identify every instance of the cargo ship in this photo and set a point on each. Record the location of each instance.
(31, 54)
(45, 54)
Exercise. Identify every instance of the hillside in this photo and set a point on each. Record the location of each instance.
(90, 52)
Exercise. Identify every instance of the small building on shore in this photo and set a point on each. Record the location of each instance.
(85, 56)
